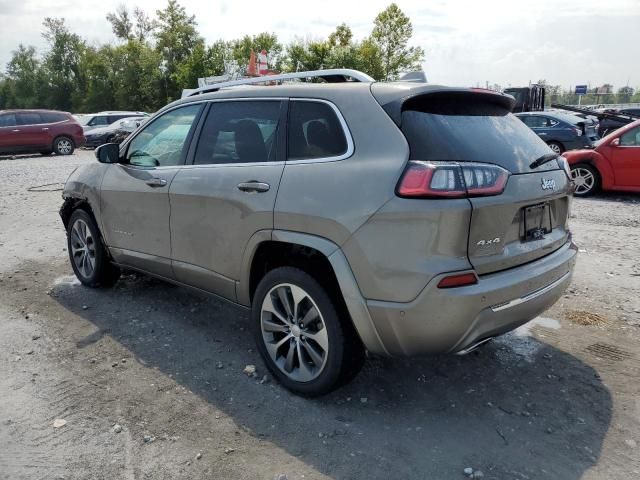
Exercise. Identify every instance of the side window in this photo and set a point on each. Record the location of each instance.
(99, 120)
(551, 122)
(239, 132)
(533, 121)
(8, 120)
(314, 131)
(28, 118)
(162, 142)
(52, 117)
(631, 138)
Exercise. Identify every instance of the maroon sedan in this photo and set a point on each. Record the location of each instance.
(43, 131)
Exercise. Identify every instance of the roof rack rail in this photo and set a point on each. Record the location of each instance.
(334, 75)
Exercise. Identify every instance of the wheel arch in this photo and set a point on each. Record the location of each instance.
(601, 165)
(317, 256)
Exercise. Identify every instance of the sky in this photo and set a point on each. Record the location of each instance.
(467, 42)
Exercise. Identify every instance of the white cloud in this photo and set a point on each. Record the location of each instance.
(467, 42)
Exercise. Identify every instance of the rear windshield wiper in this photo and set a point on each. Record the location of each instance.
(547, 157)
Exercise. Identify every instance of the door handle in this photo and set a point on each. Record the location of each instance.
(45, 129)
(15, 130)
(156, 182)
(254, 186)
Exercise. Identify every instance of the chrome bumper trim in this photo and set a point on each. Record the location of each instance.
(531, 296)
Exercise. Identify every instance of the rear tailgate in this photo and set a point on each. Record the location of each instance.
(528, 220)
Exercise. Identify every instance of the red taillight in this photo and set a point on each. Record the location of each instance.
(459, 280)
(451, 180)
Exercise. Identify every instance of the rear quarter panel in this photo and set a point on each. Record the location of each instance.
(333, 199)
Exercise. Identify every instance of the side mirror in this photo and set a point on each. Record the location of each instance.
(108, 153)
(615, 142)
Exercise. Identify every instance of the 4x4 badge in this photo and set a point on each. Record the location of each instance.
(548, 184)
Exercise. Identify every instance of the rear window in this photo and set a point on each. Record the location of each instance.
(52, 117)
(314, 131)
(468, 129)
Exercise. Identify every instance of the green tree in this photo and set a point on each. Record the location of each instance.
(391, 32)
(24, 78)
(64, 65)
(121, 23)
(341, 37)
(176, 37)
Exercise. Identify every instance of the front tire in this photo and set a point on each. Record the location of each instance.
(87, 253)
(586, 180)
(557, 147)
(63, 146)
(300, 335)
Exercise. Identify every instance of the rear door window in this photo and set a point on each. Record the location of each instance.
(470, 129)
(314, 131)
(29, 118)
(239, 132)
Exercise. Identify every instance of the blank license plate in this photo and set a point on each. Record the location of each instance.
(537, 221)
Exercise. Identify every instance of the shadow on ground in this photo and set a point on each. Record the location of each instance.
(513, 415)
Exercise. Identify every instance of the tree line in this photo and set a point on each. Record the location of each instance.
(156, 56)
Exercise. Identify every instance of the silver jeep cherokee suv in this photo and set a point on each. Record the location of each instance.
(349, 216)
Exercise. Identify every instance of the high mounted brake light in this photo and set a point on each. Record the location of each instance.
(451, 180)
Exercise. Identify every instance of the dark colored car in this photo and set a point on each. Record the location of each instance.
(608, 125)
(102, 119)
(114, 133)
(561, 131)
(43, 131)
(613, 165)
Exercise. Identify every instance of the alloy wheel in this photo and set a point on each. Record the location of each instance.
(556, 148)
(294, 332)
(583, 180)
(83, 248)
(64, 146)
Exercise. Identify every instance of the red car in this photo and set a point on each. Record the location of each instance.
(614, 163)
(43, 131)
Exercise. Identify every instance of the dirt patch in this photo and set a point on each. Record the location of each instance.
(587, 319)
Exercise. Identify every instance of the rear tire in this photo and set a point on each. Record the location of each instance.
(63, 146)
(300, 335)
(557, 147)
(586, 179)
(88, 255)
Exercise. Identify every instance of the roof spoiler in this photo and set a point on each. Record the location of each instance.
(392, 100)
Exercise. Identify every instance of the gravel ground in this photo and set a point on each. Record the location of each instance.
(145, 380)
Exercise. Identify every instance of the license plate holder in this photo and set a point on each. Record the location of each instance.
(537, 221)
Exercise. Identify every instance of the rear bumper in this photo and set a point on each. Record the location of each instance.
(452, 320)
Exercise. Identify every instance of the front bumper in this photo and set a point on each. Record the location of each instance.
(455, 319)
